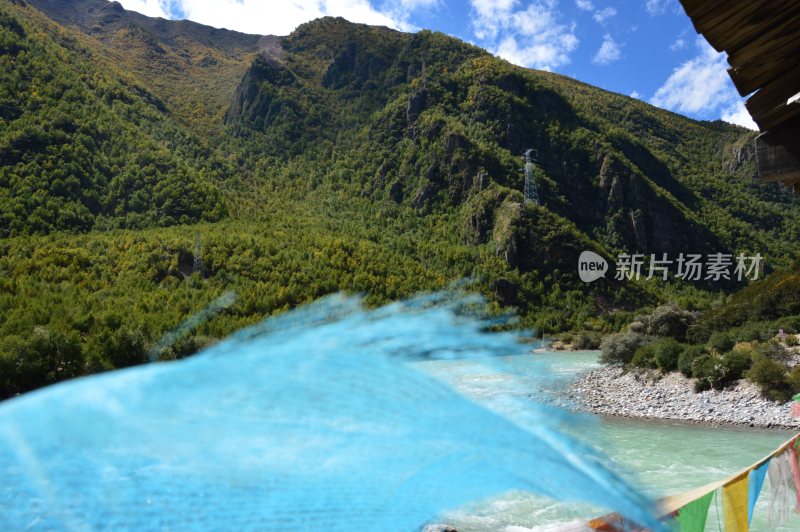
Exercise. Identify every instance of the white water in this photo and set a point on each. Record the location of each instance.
(662, 457)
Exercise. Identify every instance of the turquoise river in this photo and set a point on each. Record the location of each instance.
(663, 458)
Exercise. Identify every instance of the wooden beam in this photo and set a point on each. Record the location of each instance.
(729, 25)
(788, 136)
(711, 14)
(747, 86)
(762, 38)
(741, 22)
(775, 93)
(774, 60)
(774, 38)
(789, 179)
(777, 116)
(778, 152)
(697, 8)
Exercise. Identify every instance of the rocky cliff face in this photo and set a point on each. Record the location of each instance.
(436, 122)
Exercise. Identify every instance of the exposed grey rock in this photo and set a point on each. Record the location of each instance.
(611, 391)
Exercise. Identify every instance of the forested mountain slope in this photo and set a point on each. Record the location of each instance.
(84, 148)
(426, 120)
(340, 157)
(193, 69)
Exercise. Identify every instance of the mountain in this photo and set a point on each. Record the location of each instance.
(84, 147)
(193, 69)
(340, 157)
(442, 121)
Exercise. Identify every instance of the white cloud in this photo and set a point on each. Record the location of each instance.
(656, 7)
(659, 7)
(701, 86)
(275, 17)
(697, 85)
(151, 8)
(490, 16)
(602, 14)
(531, 37)
(635, 94)
(678, 45)
(608, 53)
(402, 10)
(737, 114)
(418, 4)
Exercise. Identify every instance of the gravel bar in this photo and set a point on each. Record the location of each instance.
(612, 391)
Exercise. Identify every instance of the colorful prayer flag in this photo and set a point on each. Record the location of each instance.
(795, 476)
(754, 483)
(734, 504)
(780, 476)
(692, 517)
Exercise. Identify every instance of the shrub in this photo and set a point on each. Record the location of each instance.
(662, 353)
(620, 348)
(586, 340)
(644, 357)
(750, 332)
(792, 341)
(701, 385)
(667, 351)
(721, 341)
(773, 350)
(671, 321)
(616, 321)
(745, 347)
(666, 321)
(636, 327)
(788, 324)
(736, 363)
(698, 333)
(794, 380)
(689, 354)
(596, 324)
(771, 377)
(709, 370)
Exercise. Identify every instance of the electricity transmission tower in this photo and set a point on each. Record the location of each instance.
(198, 259)
(531, 192)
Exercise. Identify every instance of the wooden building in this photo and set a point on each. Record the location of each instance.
(762, 41)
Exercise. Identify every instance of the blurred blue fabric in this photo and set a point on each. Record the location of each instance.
(320, 419)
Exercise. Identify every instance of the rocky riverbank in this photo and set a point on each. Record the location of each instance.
(612, 391)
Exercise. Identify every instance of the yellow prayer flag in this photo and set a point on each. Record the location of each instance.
(734, 504)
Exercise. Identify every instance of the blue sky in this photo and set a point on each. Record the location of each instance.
(645, 48)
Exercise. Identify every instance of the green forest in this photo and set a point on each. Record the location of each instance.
(345, 157)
